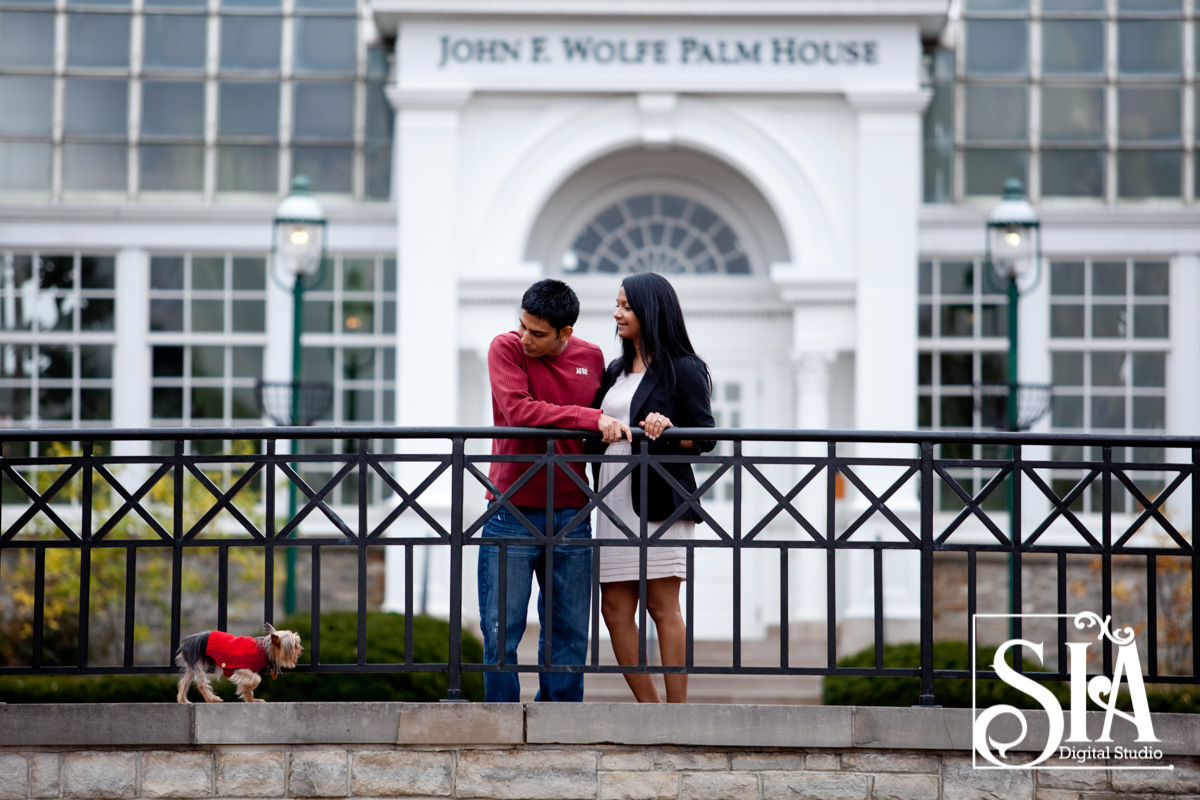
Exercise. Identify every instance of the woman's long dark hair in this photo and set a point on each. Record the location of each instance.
(664, 335)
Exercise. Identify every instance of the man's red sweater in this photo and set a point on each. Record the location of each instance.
(547, 392)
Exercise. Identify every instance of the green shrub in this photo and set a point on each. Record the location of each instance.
(385, 645)
(949, 692)
(339, 638)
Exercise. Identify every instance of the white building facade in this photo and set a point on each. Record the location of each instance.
(813, 175)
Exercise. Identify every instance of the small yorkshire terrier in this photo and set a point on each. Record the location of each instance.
(241, 658)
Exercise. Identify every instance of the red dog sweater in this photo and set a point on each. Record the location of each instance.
(236, 652)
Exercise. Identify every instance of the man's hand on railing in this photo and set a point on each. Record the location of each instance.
(611, 429)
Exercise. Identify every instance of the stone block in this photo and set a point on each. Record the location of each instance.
(14, 776)
(1184, 778)
(720, 725)
(961, 781)
(296, 723)
(1068, 794)
(625, 760)
(319, 773)
(639, 786)
(45, 775)
(691, 760)
(103, 724)
(242, 773)
(177, 774)
(913, 728)
(814, 786)
(461, 723)
(897, 786)
(402, 773)
(718, 786)
(100, 775)
(859, 761)
(824, 762)
(1089, 779)
(526, 774)
(758, 762)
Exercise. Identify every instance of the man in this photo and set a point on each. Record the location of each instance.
(541, 376)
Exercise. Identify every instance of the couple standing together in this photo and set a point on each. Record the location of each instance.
(542, 376)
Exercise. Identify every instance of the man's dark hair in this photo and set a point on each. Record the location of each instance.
(553, 301)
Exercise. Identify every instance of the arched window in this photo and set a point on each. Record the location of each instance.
(662, 233)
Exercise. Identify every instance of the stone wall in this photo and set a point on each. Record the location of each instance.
(536, 752)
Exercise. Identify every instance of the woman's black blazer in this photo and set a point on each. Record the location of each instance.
(687, 405)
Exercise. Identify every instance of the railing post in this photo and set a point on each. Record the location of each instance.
(927, 699)
(454, 660)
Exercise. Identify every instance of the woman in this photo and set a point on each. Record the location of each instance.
(658, 382)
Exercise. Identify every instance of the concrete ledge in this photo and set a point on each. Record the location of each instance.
(96, 724)
(165, 725)
(722, 725)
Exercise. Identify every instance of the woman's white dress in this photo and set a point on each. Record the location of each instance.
(622, 563)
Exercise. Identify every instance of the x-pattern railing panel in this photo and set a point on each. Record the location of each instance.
(779, 503)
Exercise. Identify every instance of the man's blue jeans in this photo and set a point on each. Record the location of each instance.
(572, 588)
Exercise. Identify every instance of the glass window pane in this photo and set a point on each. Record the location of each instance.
(1149, 114)
(1108, 322)
(166, 272)
(925, 320)
(1072, 173)
(25, 165)
(997, 47)
(1149, 370)
(208, 403)
(250, 3)
(324, 111)
(1051, 6)
(1150, 321)
(97, 106)
(924, 369)
(1108, 278)
(1149, 46)
(26, 39)
(957, 412)
(358, 275)
(1066, 411)
(1150, 413)
(95, 361)
(1108, 412)
(994, 320)
(956, 368)
(1151, 278)
(95, 166)
(1066, 320)
(956, 277)
(249, 316)
(1073, 47)
(34, 95)
(1108, 368)
(208, 316)
(98, 40)
(326, 44)
(378, 164)
(247, 168)
(247, 362)
(1135, 6)
(208, 273)
(165, 315)
(96, 314)
(957, 321)
(249, 274)
(987, 170)
(251, 42)
(1066, 369)
(167, 403)
(997, 113)
(249, 109)
(325, 5)
(380, 115)
(1073, 114)
(175, 41)
(329, 168)
(173, 108)
(1149, 173)
(172, 167)
(993, 367)
(97, 272)
(1067, 278)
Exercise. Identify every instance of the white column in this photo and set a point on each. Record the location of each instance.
(131, 353)
(1183, 373)
(888, 194)
(807, 590)
(427, 195)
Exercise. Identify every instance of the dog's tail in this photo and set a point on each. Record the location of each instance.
(192, 650)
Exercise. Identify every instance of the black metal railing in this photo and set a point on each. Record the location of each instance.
(1093, 516)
